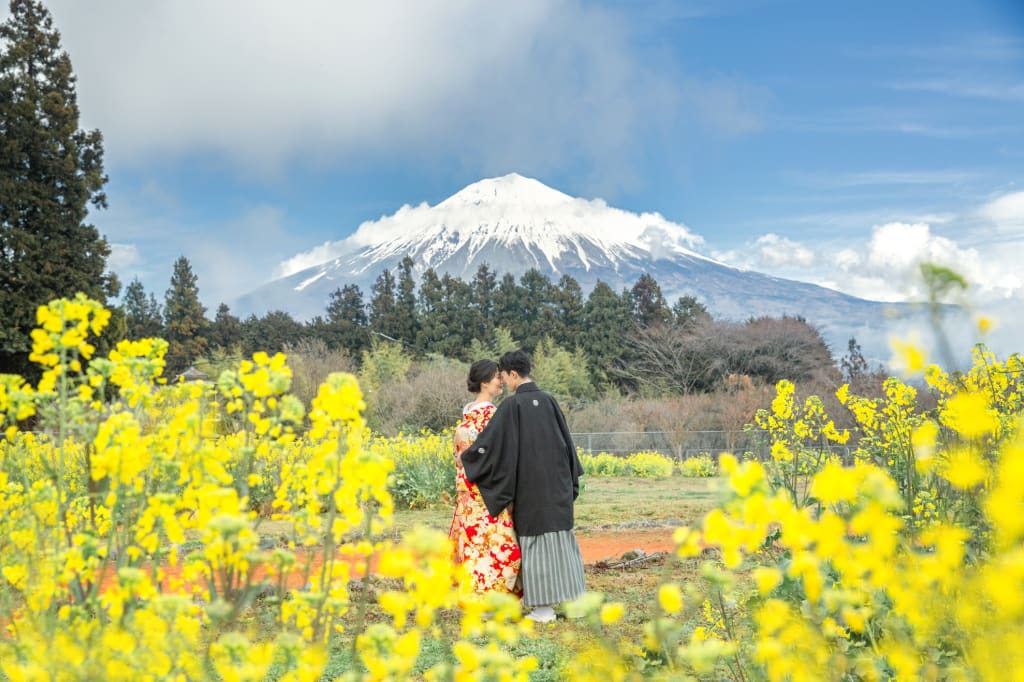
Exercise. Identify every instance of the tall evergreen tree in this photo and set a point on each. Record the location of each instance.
(853, 365)
(226, 329)
(271, 333)
(384, 318)
(508, 304)
(184, 319)
(607, 319)
(484, 283)
(347, 324)
(432, 325)
(143, 316)
(50, 172)
(566, 313)
(687, 311)
(536, 297)
(460, 317)
(648, 303)
(406, 313)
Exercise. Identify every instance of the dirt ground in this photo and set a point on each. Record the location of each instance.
(596, 544)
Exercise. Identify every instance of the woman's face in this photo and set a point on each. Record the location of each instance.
(490, 389)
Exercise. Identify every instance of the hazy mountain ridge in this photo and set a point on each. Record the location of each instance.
(514, 223)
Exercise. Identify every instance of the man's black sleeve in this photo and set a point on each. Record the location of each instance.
(491, 461)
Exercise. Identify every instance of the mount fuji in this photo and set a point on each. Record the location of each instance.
(514, 223)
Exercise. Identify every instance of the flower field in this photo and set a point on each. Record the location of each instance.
(130, 541)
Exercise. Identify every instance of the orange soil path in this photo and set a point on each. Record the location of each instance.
(604, 544)
(595, 545)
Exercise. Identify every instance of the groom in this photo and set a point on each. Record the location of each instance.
(525, 458)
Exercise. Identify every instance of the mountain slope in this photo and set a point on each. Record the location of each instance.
(513, 223)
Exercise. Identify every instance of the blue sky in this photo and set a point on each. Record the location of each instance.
(834, 142)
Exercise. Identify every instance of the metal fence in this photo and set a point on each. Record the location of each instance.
(682, 445)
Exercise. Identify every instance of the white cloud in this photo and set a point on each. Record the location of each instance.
(776, 251)
(122, 258)
(1006, 212)
(528, 85)
(847, 258)
(887, 266)
(773, 254)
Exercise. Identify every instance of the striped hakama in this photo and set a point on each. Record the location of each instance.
(552, 568)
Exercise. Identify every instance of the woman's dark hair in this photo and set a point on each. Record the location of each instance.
(517, 361)
(480, 372)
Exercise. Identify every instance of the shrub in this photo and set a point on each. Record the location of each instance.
(701, 466)
(424, 474)
(603, 464)
(649, 465)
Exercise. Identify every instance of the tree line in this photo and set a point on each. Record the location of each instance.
(629, 341)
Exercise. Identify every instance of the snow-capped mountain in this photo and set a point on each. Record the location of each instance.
(514, 223)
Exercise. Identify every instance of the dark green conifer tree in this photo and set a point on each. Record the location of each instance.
(607, 319)
(647, 302)
(484, 284)
(432, 325)
(536, 296)
(459, 316)
(406, 313)
(226, 329)
(272, 333)
(384, 315)
(348, 327)
(184, 319)
(50, 173)
(143, 315)
(565, 314)
(687, 312)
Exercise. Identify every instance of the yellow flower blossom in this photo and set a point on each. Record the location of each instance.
(611, 613)
(835, 483)
(970, 415)
(964, 469)
(670, 598)
(908, 357)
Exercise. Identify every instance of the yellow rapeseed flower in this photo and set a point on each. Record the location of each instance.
(767, 578)
(835, 483)
(670, 598)
(964, 468)
(611, 613)
(908, 357)
(970, 415)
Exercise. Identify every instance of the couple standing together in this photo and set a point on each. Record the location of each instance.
(517, 476)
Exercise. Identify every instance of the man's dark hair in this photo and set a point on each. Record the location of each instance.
(480, 372)
(516, 361)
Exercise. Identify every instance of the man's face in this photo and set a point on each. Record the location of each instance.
(510, 379)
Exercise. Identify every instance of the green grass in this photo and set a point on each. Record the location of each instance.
(610, 501)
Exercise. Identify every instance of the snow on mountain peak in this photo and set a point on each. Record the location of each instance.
(511, 211)
(509, 190)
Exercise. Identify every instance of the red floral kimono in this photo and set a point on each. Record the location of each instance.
(484, 543)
